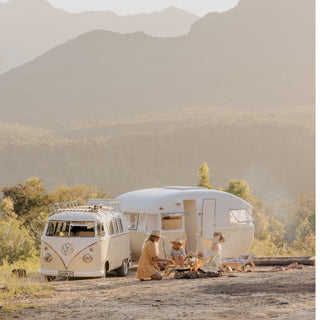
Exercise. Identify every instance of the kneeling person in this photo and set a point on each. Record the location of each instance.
(149, 260)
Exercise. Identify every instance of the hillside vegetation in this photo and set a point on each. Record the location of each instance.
(273, 150)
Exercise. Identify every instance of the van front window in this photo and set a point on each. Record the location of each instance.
(76, 228)
(58, 229)
(82, 229)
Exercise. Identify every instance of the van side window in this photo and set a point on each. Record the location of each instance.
(120, 227)
(110, 227)
(115, 226)
(132, 219)
(100, 229)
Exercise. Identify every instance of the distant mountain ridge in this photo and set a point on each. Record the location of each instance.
(28, 28)
(222, 62)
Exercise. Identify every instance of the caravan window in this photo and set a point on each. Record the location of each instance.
(132, 219)
(115, 226)
(58, 229)
(240, 216)
(171, 223)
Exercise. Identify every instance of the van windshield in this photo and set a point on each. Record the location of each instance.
(82, 229)
(58, 229)
(76, 228)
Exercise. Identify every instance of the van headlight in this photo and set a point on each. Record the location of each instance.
(87, 258)
(48, 257)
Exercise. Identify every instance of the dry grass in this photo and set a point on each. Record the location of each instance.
(268, 249)
(31, 286)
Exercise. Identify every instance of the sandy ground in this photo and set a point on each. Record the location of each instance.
(260, 294)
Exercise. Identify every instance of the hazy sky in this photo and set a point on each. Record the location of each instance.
(124, 7)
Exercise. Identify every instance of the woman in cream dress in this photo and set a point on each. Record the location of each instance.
(149, 260)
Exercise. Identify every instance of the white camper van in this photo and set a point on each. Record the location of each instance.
(187, 212)
(85, 241)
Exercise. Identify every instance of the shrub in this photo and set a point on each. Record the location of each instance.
(15, 241)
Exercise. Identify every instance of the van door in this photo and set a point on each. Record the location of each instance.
(208, 218)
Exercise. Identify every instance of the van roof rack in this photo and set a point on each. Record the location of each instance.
(74, 206)
(104, 202)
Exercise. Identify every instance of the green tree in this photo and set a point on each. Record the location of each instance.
(15, 241)
(306, 238)
(261, 225)
(203, 175)
(7, 209)
(277, 231)
(293, 214)
(79, 192)
(303, 223)
(239, 188)
(30, 204)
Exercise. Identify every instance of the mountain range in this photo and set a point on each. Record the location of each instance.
(28, 28)
(228, 59)
(128, 111)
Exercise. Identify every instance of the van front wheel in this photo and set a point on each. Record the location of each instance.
(123, 270)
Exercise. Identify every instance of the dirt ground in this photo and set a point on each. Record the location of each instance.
(260, 294)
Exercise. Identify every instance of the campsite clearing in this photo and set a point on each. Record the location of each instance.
(261, 294)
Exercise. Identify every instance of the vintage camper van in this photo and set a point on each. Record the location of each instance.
(85, 241)
(189, 212)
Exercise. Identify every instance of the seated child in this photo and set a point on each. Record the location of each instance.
(218, 238)
(177, 252)
(215, 251)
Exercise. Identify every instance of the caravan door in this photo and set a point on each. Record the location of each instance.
(191, 223)
(208, 218)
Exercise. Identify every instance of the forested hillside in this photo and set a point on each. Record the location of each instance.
(273, 151)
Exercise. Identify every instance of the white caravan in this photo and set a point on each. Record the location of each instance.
(189, 212)
(85, 241)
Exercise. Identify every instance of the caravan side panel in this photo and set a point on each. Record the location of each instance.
(238, 240)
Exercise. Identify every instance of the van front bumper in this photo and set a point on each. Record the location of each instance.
(75, 273)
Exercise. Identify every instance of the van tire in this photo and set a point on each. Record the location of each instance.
(123, 270)
(106, 269)
(49, 278)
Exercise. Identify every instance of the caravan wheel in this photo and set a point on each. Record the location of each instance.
(123, 270)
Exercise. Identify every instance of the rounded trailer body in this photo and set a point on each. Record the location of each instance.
(190, 213)
(85, 241)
